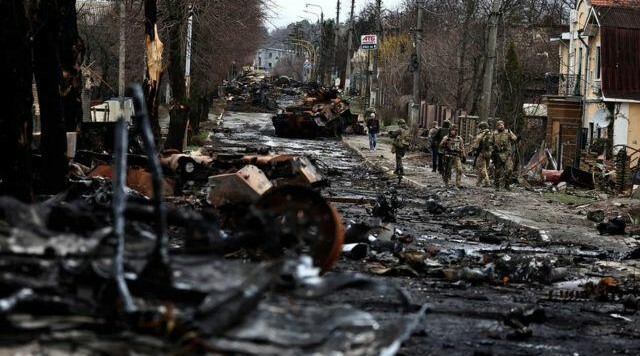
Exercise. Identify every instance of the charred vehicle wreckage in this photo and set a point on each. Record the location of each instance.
(303, 110)
(247, 247)
(121, 262)
(320, 114)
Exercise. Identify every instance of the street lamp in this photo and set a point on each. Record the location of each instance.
(321, 28)
(321, 11)
(312, 13)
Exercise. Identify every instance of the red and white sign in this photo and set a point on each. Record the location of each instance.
(369, 41)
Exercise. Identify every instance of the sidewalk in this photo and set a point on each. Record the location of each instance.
(549, 221)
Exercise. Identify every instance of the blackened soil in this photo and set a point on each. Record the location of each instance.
(468, 315)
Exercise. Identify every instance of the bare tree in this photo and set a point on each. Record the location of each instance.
(16, 101)
(153, 50)
(47, 19)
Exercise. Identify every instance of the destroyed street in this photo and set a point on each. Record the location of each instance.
(491, 286)
(192, 177)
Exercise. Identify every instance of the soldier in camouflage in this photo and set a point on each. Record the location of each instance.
(399, 146)
(452, 147)
(501, 146)
(438, 136)
(481, 149)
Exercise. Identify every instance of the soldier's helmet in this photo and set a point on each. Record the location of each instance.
(446, 124)
(483, 125)
(454, 127)
(402, 122)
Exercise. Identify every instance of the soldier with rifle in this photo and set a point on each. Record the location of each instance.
(481, 150)
(501, 147)
(399, 146)
(440, 134)
(454, 155)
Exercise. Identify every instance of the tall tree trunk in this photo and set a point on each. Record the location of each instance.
(470, 8)
(71, 54)
(154, 48)
(45, 27)
(16, 100)
(179, 112)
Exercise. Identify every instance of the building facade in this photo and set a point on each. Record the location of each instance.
(267, 58)
(598, 84)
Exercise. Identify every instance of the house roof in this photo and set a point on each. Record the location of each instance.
(616, 3)
(619, 17)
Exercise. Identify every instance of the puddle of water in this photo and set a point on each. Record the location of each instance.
(575, 284)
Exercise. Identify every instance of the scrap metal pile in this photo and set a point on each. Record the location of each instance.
(113, 266)
(617, 175)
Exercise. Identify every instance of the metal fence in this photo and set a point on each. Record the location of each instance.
(564, 84)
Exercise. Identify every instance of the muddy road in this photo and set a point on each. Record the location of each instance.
(491, 289)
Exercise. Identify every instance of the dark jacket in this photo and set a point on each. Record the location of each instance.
(373, 125)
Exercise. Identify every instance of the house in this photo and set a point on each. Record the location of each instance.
(267, 58)
(599, 79)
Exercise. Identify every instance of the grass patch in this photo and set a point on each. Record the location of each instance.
(199, 140)
(568, 199)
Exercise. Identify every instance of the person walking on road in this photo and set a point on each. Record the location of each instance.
(399, 146)
(481, 149)
(435, 145)
(441, 134)
(502, 144)
(453, 149)
(373, 127)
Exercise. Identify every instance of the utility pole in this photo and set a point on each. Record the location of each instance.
(347, 76)
(121, 60)
(374, 79)
(485, 100)
(322, 56)
(335, 45)
(187, 65)
(415, 105)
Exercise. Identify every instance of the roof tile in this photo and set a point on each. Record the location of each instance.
(616, 3)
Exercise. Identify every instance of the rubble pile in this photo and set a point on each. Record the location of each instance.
(107, 268)
(303, 110)
(246, 247)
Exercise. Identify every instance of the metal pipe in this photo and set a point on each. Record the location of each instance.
(119, 204)
(162, 240)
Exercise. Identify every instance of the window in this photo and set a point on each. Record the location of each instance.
(580, 60)
(270, 54)
(598, 63)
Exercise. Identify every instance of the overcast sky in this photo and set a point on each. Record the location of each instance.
(289, 11)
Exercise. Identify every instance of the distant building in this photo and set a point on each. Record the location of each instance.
(267, 58)
(92, 11)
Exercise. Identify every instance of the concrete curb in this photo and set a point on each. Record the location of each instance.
(497, 216)
(384, 168)
(508, 219)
